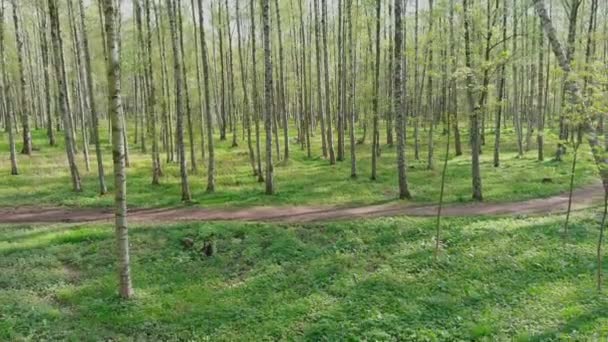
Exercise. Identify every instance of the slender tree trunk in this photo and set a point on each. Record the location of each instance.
(43, 18)
(150, 89)
(341, 82)
(299, 80)
(178, 73)
(571, 188)
(268, 93)
(33, 89)
(282, 102)
(166, 98)
(473, 109)
(230, 77)
(376, 134)
(246, 103)
(208, 116)
(429, 92)
(540, 134)
(319, 84)
(351, 91)
(483, 100)
(63, 100)
(120, 177)
(330, 133)
(442, 190)
(118, 23)
(198, 81)
(605, 59)
(223, 116)
(397, 104)
(6, 109)
(501, 89)
(453, 86)
(600, 243)
(389, 77)
(180, 27)
(5, 102)
(516, 86)
(305, 107)
(25, 118)
(254, 91)
(79, 84)
(569, 54)
(92, 102)
(416, 101)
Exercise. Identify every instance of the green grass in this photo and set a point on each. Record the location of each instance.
(496, 279)
(44, 178)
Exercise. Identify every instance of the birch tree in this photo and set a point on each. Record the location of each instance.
(125, 288)
(268, 96)
(23, 105)
(60, 75)
(178, 73)
(397, 104)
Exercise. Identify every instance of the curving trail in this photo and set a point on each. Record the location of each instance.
(582, 198)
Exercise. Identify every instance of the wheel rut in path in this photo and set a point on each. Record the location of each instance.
(584, 197)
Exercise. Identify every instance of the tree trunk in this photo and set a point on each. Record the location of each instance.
(5, 102)
(63, 100)
(150, 89)
(350, 107)
(540, 109)
(453, 86)
(223, 119)
(429, 94)
(198, 80)
(376, 134)
(330, 133)
(254, 91)
(341, 82)
(416, 101)
(208, 116)
(178, 73)
(282, 100)
(247, 108)
(516, 108)
(305, 108)
(165, 104)
(79, 84)
(180, 28)
(501, 89)
(92, 102)
(473, 109)
(50, 132)
(397, 104)
(268, 93)
(118, 151)
(319, 84)
(25, 119)
(232, 114)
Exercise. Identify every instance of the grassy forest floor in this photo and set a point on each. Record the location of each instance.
(376, 279)
(44, 179)
(366, 278)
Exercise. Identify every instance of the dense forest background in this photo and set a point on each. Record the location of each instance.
(335, 69)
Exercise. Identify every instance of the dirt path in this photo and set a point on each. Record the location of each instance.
(583, 198)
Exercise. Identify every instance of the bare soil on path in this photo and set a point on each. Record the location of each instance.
(584, 197)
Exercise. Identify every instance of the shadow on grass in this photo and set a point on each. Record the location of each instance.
(370, 279)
